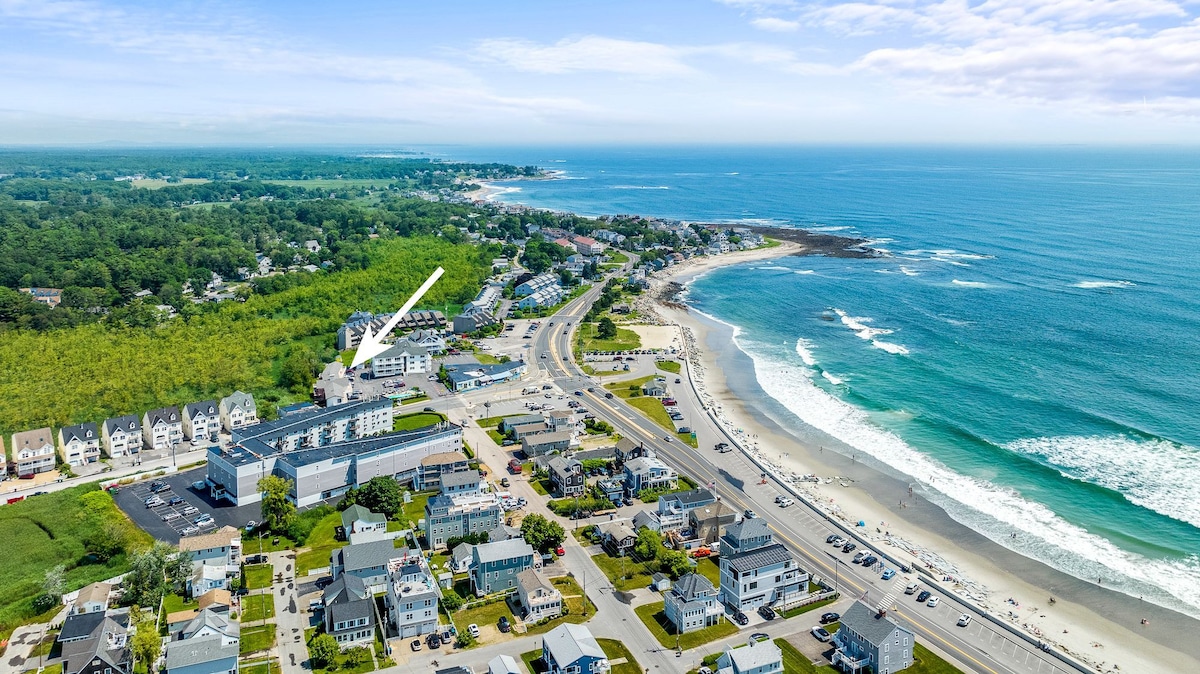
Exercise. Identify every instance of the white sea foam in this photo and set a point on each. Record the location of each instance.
(831, 378)
(1154, 474)
(804, 350)
(1105, 284)
(970, 284)
(837, 228)
(499, 192)
(639, 187)
(773, 266)
(909, 272)
(987, 508)
(858, 324)
(732, 173)
(806, 271)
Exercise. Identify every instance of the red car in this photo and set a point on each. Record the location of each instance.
(702, 552)
(514, 466)
(560, 551)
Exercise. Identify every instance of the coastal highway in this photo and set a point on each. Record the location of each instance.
(979, 647)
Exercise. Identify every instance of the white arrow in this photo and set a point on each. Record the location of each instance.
(371, 346)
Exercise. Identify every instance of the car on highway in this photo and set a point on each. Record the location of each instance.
(591, 389)
(963, 620)
(504, 482)
(888, 574)
(933, 602)
(666, 438)
(766, 612)
(750, 514)
(560, 551)
(741, 618)
(608, 395)
(925, 594)
(820, 633)
(830, 617)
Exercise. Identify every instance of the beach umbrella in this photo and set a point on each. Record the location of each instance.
(862, 523)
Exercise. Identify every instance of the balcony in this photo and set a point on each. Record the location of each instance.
(850, 662)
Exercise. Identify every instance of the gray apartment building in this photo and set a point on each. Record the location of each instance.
(449, 517)
(494, 566)
(871, 639)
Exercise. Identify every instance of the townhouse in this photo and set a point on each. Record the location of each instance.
(350, 615)
(448, 517)
(78, 445)
(768, 575)
(412, 599)
(539, 444)
(566, 476)
(33, 452)
(122, 436)
(162, 428)
(434, 466)
(691, 604)
(237, 410)
(201, 421)
(370, 562)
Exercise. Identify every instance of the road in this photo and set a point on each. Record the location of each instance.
(980, 647)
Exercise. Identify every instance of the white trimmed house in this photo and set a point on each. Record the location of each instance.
(162, 428)
(79, 445)
(201, 421)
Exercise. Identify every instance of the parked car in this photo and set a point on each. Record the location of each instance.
(760, 636)
(504, 482)
(202, 520)
(702, 552)
(473, 630)
(741, 618)
(174, 501)
(923, 596)
(678, 380)
(171, 516)
(200, 485)
(189, 531)
(849, 547)
(685, 429)
(415, 645)
(250, 526)
(766, 612)
(858, 557)
(963, 620)
(830, 617)
(786, 502)
(820, 633)
(828, 539)
(503, 624)
(190, 510)
(888, 574)
(869, 561)
(434, 641)
(912, 588)
(933, 602)
(154, 502)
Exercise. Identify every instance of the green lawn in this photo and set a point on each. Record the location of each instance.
(615, 256)
(488, 614)
(926, 661)
(626, 339)
(656, 412)
(343, 667)
(173, 602)
(255, 639)
(492, 422)
(415, 399)
(622, 388)
(262, 667)
(616, 650)
(258, 576)
(532, 657)
(321, 543)
(656, 621)
(257, 607)
(496, 436)
(541, 486)
(410, 422)
(636, 574)
(50, 529)
(706, 567)
(671, 366)
(44, 646)
(795, 662)
(810, 607)
(415, 510)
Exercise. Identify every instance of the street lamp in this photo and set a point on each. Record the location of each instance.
(836, 561)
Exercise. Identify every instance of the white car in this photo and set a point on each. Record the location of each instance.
(933, 601)
(785, 502)
(473, 630)
(964, 620)
(821, 634)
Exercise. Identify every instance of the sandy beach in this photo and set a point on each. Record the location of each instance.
(1099, 627)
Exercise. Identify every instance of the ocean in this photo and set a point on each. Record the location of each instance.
(1025, 354)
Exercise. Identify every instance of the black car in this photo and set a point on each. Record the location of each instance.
(830, 617)
(504, 625)
(324, 581)
(870, 560)
(831, 538)
(766, 612)
(434, 641)
(741, 618)
(608, 395)
(923, 596)
(156, 487)
(848, 547)
(174, 500)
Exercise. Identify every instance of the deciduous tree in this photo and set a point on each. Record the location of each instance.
(277, 509)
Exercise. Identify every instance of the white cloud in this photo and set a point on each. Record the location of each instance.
(775, 24)
(589, 53)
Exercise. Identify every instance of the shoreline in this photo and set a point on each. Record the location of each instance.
(1003, 582)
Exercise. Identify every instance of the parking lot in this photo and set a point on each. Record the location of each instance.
(131, 499)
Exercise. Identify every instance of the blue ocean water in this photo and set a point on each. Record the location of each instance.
(1027, 353)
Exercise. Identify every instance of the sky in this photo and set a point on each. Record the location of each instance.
(570, 72)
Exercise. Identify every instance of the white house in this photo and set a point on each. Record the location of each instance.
(33, 451)
(691, 604)
(122, 436)
(238, 410)
(221, 549)
(403, 358)
(540, 600)
(756, 657)
(162, 428)
(433, 340)
(80, 444)
(362, 525)
(765, 576)
(201, 421)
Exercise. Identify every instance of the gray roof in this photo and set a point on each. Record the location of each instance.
(77, 654)
(504, 664)
(747, 529)
(239, 399)
(498, 550)
(346, 588)
(754, 655)
(356, 512)
(127, 423)
(757, 559)
(403, 346)
(569, 643)
(460, 478)
(875, 627)
(563, 466)
(168, 415)
(192, 652)
(80, 432)
(214, 620)
(546, 438)
(692, 497)
(462, 552)
(80, 625)
(530, 580)
(369, 555)
(693, 585)
(205, 407)
(521, 419)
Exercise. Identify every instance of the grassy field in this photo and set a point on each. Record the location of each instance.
(173, 603)
(495, 436)
(159, 183)
(616, 257)
(615, 650)
(622, 388)
(926, 661)
(708, 568)
(626, 340)
(257, 607)
(51, 530)
(258, 576)
(321, 542)
(255, 639)
(655, 619)
(656, 412)
(409, 422)
(805, 609)
(262, 667)
(636, 574)
(492, 422)
(672, 366)
(795, 662)
(488, 614)
(416, 510)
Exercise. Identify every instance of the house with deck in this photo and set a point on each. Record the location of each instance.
(691, 604)
(870, 639)
(162, 428)
(33, 452)
(79, 445)
(201, 421)
(537, 598)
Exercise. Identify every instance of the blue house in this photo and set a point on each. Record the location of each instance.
(571, 649)
(494, 566)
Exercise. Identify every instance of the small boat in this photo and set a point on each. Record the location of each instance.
(829, 480)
